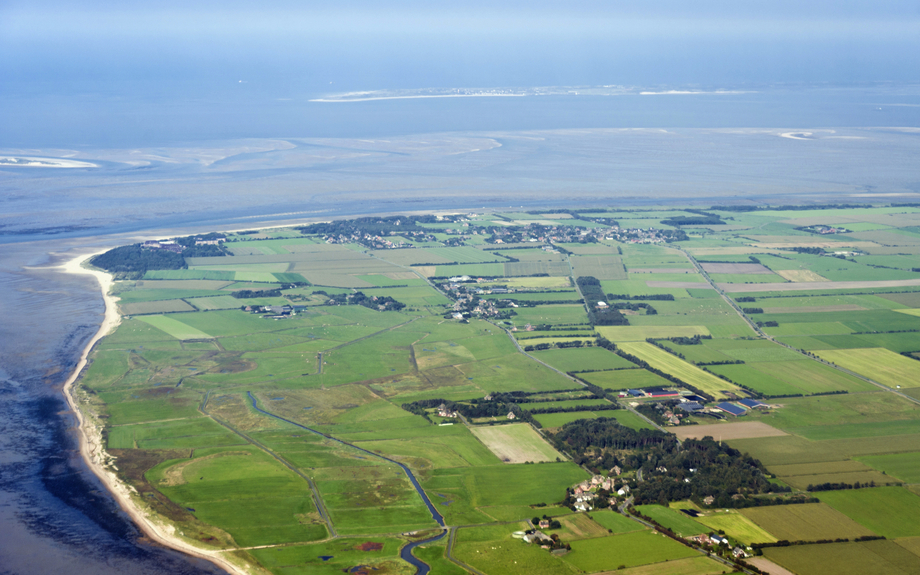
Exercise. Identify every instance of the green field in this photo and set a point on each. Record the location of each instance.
(904, 466)
(629, 549)
(808, 522)
(881, 365)
(641, 333)
(173, 389)
(175, 328)
(580, 359)
(889, 511)
(737, 526)
(673, 519)
(869, 558)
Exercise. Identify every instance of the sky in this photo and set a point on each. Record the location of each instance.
(64, 59)
(367, 45)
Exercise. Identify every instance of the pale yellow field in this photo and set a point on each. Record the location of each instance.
(801, 276)
(737, 526)
(515, 443)
(876, 363)
(538, 282)
(673, 365)
(914, 312)
(726, 431)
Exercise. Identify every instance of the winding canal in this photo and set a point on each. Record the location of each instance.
(405, 553)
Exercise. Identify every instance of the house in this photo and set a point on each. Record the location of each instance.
(615, 470)
(709, 500)
(511, 415)
(739, 553)
(544, 524)
(718, 540)
(622, 491)
(690, 406)
(701, 539)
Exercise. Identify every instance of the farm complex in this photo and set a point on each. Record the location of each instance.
(570, 391)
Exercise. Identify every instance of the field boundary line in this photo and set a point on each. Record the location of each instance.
(317, 499)
(768, 337)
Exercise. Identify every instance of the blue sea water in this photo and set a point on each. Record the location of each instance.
(243, 160)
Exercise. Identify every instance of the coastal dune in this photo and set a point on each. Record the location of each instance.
(92, 448)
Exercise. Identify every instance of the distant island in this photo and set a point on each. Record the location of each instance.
(679, 390)
(30, 162)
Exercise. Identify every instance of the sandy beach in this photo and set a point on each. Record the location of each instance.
(93, 450)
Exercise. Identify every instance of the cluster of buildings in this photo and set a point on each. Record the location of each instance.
(469, 305)
(167, 245)
(586, 493)
(643, 236)
(444, 412)
(378, 242)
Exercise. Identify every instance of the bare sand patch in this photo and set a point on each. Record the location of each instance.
(768, 566)
(426, 271)
(736, 268)
(726, 431)
(801, 276)
(92, 444)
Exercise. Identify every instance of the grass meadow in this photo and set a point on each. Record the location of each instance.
(172, 386)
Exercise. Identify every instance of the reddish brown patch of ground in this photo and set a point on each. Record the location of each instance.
(369, 546)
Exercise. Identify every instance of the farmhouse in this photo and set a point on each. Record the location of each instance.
(751, 403)
(690, 406)
(731, 409)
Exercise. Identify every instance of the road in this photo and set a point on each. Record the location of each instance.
(767, 336)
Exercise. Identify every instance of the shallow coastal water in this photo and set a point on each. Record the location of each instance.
(54, 515)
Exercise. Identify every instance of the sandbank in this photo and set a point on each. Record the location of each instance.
(92, 447)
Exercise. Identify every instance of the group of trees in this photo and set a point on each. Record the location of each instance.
(653, 297)
(381, 303)
(671, 471)
(250, 293)
(590, 288)
(138, 259)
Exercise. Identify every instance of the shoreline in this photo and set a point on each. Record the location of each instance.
(90, 439)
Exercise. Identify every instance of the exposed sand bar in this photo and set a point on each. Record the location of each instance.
(92, 447)
(416, 97)
(32, 162)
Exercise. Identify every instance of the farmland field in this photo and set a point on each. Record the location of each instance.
(629, 549)
(516, 443)
(187, 387)
(737, 526)
(889, 511)
(879, 364)
(808, 522)
(672, 365)
(727, 431)
(868, 558)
